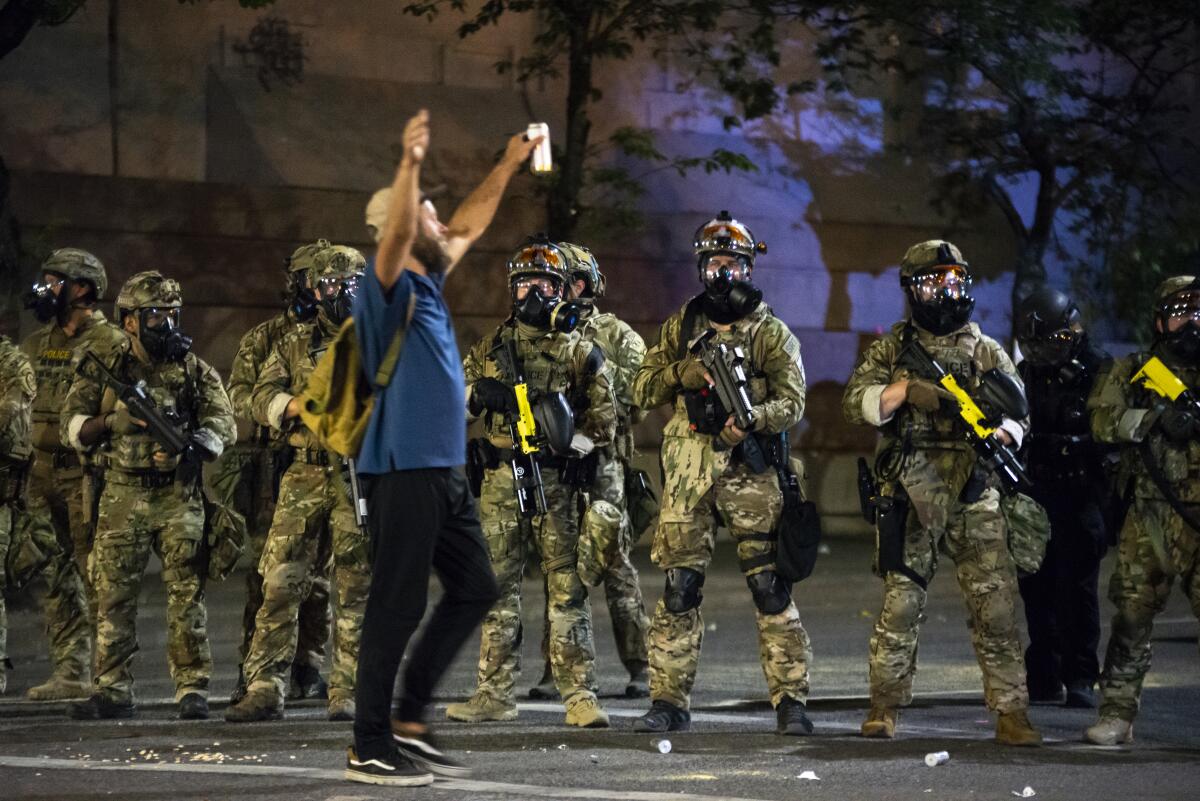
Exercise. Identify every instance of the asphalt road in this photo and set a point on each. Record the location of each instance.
(731, 753)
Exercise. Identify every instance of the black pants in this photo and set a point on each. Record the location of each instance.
(419, 519)
(1062, 606)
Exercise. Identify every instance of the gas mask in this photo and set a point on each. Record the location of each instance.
(729, 294)
(547, 312)
(1184, 342)
(337, 297)
(301, 300)
(45, 304)
(941, 298)
(158, 331)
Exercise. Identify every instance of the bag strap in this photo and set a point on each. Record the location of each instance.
(690, 313)
(391, 357)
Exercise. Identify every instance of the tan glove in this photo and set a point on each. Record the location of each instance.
(732, 435)
(691, 374)
(122, 422)
(925, 395)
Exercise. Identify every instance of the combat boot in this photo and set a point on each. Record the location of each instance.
(193, 706)
(545, 689)
(639, 682)
(663, 716)
(99, 706)
(1014, 728)
(239, 689)
(791, 718)
(881, 722)
(59, 688)
(257, 705)
(341, 708)
(306, 682)
(1110, 731)
(583, 710)
(481, 707)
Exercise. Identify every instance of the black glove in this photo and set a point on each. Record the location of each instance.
(1179, 425)
(490, 394)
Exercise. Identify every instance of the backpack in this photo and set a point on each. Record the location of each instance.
(338, 398)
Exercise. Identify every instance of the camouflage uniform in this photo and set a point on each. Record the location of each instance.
(552, 362)
(1156, 545)
(623, 351)
(17, 391)
(702, 483)
(245, 481)
(61, 492)
(143, 508)
(935, 467)
(313, 524)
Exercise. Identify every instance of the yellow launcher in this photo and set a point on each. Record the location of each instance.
(1158, 378)
(967, 408)
(526, 425)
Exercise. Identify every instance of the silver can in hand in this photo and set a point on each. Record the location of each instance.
(540, 161)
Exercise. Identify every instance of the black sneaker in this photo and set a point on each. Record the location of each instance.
(425, 752)
(193, 706)
(663, 716)
(100, 707)
(394, 770)
(1081, 696)
(791, 718)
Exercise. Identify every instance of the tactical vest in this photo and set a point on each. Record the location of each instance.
(1060, 445)
(956, 353)
(301, 352)
(175, 389)
(604, 331)
(546, 360)
(1180, 464)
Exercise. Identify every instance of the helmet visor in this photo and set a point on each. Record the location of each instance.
(330, 286)
(731, 266)
(944, 282)
(50, 283)
(156, 318)
(1054, 348)
(1180, 308)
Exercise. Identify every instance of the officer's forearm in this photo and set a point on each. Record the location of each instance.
(92, 431)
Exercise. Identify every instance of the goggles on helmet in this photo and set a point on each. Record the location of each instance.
(943, 282)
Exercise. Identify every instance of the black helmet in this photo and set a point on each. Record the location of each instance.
(1049, 326)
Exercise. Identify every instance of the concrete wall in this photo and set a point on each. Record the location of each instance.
(216, 176)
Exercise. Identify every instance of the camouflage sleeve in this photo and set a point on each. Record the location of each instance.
(656, 382)
(599, 422)
(215, 412)
(82, 402)
(473, 367)
(251, 354)
(18, 387)
(1114, 419)
(628, 353)
(860, 403)
(272, 390)
(780, 359)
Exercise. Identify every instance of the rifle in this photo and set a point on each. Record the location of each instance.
(169, 429)
(357, 499)
(527, 473)
(999, 395)
(724, 365)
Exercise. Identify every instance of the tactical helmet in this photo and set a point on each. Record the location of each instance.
(148, 289)
(938, 281)
(539, 256)
(78, 265)
(336, 260)
(1174, 285)
(1049, 326)
(1178, 298)
(723, 234)
(581, 264)
(302, 257)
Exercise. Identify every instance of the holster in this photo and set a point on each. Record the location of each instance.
(581, 472)
(891, 520)
(798, 530)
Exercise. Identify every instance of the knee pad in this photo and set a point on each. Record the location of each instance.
(771, 593)
(682, 593)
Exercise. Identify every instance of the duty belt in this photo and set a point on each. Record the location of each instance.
(547, 460)
(313, 456)
(62, 460)
(146, 479)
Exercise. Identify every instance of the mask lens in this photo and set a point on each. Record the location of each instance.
(951, 283)
(734, 268)
(1184, 306)
(160, 318)
(546, 287)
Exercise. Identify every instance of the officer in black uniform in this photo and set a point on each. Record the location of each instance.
(1061, 603)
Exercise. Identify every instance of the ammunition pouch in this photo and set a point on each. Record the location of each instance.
(482, 456)
(973, 490)
(1028, 528)
(33, 546)
(706, 413)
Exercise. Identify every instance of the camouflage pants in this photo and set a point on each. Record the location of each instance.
(242, 480)
(132, 521)
(6, 526)
(511, 541)
(1153, 534)
(749, 505)
(56, 501)
(622, 589)
(313, 525)
(975, 537)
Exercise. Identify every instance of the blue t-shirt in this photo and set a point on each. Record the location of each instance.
(419, 420)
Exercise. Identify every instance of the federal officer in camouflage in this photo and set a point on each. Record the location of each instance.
(61, 490)
(706, 478)
(1160, 466)
(553, 360)
(248, 476)
(150, 500)
(606, 535)
(952, 504)
(17, 391)
(314, 523)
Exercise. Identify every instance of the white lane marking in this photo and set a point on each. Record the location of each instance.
(468, 785)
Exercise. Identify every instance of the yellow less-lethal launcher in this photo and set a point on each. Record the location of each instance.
(1159, 379)
(999, 397)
